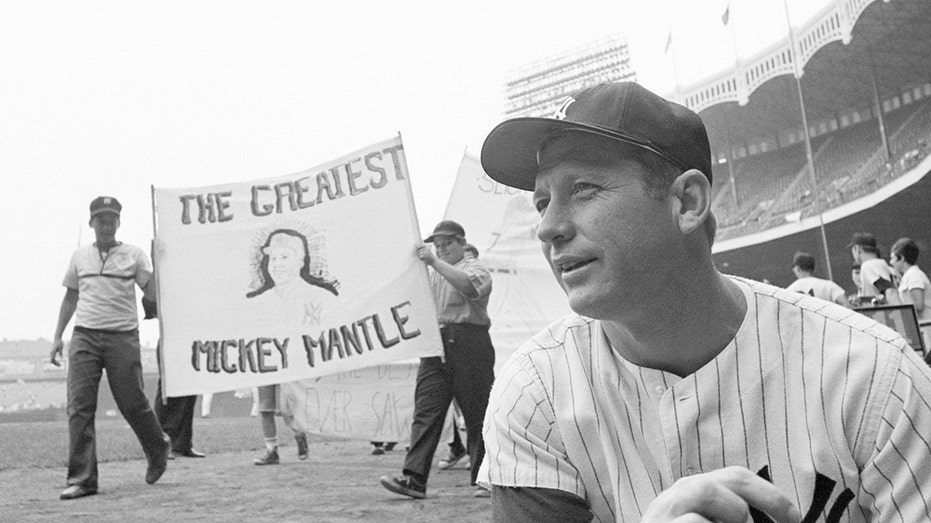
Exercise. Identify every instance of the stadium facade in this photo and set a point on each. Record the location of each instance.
(538, 88)
(865, 79)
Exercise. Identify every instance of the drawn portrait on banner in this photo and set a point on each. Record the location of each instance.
(290, 287)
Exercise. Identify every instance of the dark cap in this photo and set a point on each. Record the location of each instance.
(863, 239)
(446, 228)
(105, 204)
(804, 261)
(623, 111)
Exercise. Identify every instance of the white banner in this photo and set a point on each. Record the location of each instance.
(371, 404)
(293, 277)
(501, 222)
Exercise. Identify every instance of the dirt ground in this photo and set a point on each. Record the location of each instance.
(339, 482)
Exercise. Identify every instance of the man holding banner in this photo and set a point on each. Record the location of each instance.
(461, 287)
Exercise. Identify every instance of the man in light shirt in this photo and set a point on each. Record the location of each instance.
(803, 266)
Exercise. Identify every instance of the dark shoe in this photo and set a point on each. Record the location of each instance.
(450, 460)
(190, 453)
(77, 491)
(301, 440)
(157, 465)
(481, 492)
(390, 445)
(270, 458)
(377, 450)
(405, 486)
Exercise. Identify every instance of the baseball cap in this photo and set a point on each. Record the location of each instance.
(446, 228)
(804, 261)
(105, 204)
(624, 111)
(864, 239)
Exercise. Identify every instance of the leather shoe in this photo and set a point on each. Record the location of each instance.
(157, 465)
(190, 453)
(77, 491)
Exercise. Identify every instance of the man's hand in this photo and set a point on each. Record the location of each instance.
(426, 255)
(55, 354)
(724, 496)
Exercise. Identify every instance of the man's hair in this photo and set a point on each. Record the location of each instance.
(906, 249)
(655, 173)
(804, 261)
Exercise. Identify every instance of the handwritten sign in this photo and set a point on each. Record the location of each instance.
(294, 277)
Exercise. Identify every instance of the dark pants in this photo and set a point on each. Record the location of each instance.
(89, 354)
(467, 376)
(176, 415)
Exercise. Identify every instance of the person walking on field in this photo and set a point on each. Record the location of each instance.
(269, 401)
(461, 288)
(100, 293)
(803, 266)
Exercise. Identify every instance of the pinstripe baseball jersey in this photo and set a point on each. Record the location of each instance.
(830, 406)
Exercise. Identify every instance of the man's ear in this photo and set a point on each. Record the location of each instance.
(691, 193)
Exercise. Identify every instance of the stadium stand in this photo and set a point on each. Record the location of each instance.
(853, 61)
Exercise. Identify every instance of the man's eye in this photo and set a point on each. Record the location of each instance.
(584, 187)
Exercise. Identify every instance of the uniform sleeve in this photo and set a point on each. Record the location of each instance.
(143, 268)
(480, 277)
(836, 291)
(910, 280)
(523, 444)
(896, 477)
(71, 275)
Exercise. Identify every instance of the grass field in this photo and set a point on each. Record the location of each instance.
(45, 444)
(338, 482)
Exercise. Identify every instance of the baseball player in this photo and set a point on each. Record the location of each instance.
(676, 391)
(803, 266)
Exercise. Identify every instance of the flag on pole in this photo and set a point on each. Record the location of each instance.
(726, 17)
(668, 43)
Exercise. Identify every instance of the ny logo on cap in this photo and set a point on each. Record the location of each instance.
(561, 113)
(107, 201)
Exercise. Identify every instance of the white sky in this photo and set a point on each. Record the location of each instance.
(112, 97)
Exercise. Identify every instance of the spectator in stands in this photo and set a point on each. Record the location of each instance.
(100, 292)
(914, 287)
(877, 279)
(803, 266)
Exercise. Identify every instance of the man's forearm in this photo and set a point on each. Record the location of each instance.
(458, 278)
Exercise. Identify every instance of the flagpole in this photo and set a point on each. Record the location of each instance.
(811, 160)
(726, 18)
(670, 47)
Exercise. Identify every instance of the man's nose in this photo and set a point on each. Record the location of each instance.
(556, 224)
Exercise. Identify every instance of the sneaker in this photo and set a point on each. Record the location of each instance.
(481, 492)
(405, 486)
(301, 440)
(270, 458)
(452, 458)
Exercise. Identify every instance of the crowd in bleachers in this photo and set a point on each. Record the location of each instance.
(775, 187)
